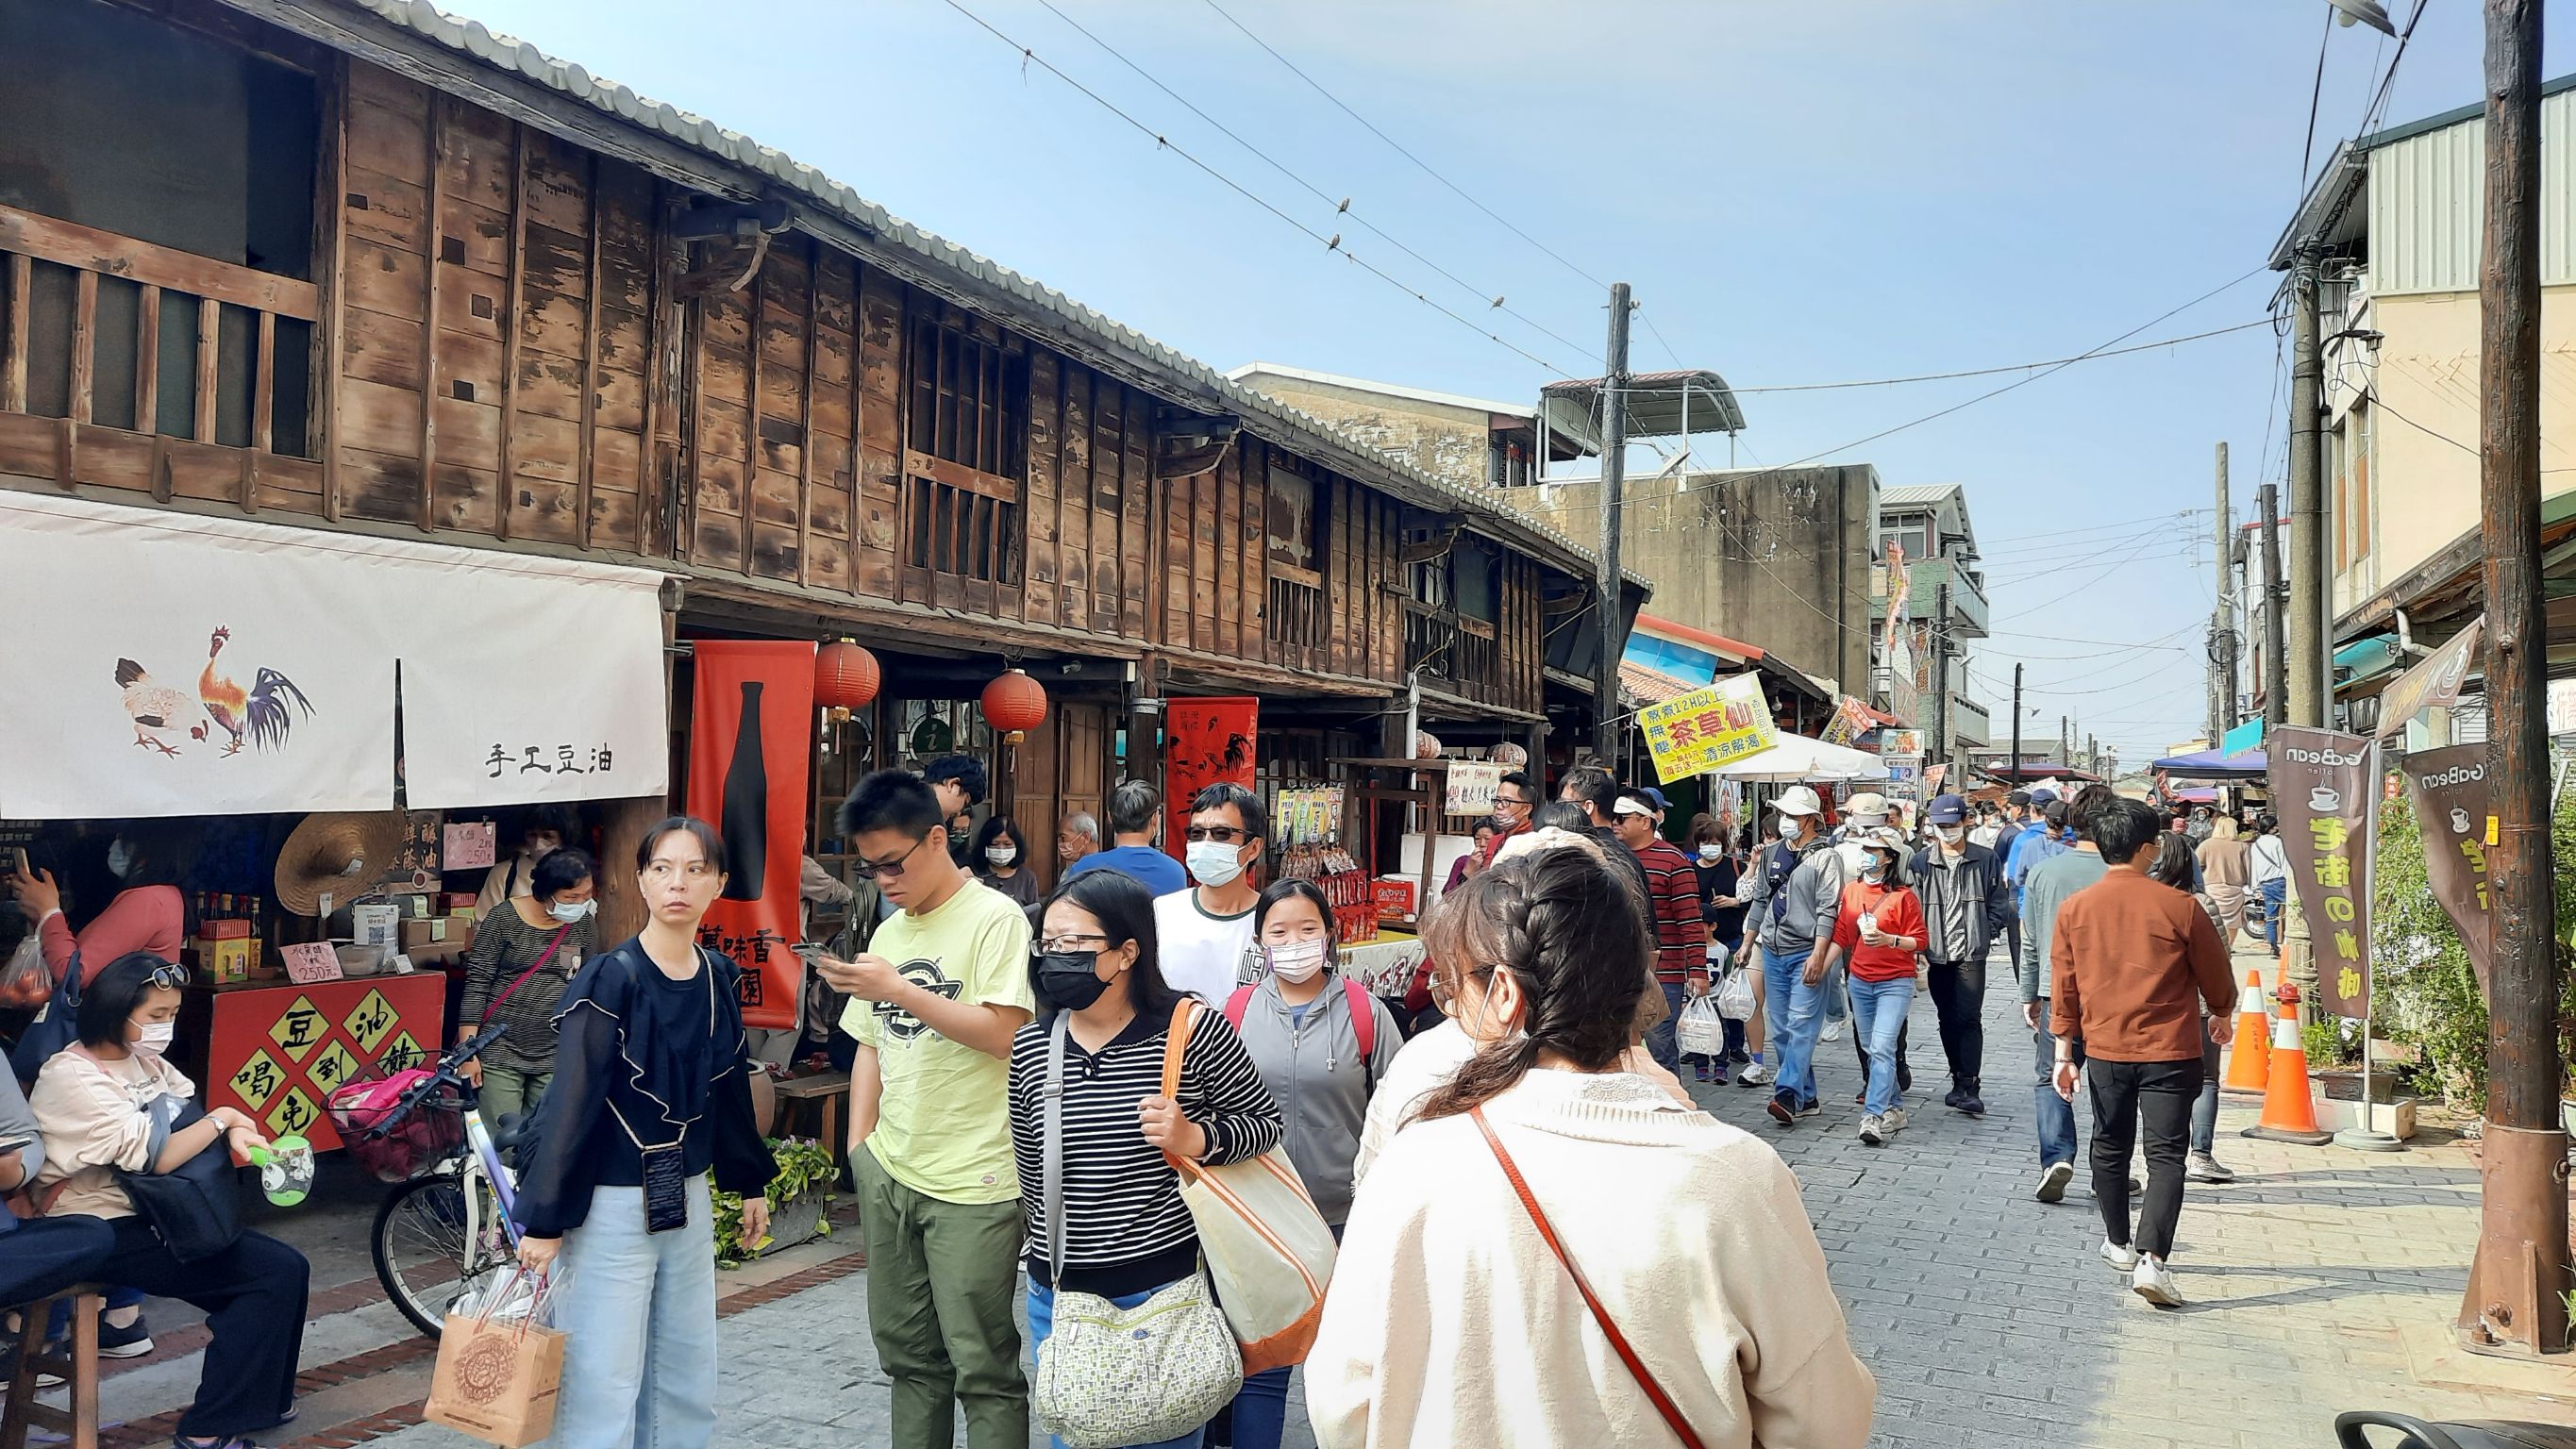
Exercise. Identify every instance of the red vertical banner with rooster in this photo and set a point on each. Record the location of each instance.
(1207, 740)
(750, 755)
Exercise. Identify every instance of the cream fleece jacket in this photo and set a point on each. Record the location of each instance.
(1449, 1322)
(96, 1119)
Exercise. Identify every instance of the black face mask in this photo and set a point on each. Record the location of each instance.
(1067, 980)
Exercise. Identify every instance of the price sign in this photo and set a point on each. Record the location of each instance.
(311, 963)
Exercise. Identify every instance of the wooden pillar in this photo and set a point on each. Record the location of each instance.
(1145, 704)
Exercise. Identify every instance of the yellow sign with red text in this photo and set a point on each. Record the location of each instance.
(1709, 727)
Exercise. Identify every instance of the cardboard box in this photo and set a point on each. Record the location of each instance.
(439, 953)
(221, 962)
(453, 902)
(219, 930)
(436, 930)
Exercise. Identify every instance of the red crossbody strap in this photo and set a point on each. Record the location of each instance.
(548, 955)
(1618, 1341)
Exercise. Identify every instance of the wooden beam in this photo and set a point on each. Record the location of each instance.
(805, 454)
(330, 237)
(263, 388)
(506, 492)
(210, 318)
(757, 299)
(13, 357)
(429, 315)
(87, 249)
(84, 343)
(656, 373)
(147, 362)
(590, 371)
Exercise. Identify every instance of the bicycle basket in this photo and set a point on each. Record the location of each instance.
(396, 1123)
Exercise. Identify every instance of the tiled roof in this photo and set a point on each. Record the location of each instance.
(1650, 686)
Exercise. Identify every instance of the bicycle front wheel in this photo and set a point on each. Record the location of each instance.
(430, 1250)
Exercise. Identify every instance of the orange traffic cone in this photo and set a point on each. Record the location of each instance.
(2249, 1065)
(2289, 1103)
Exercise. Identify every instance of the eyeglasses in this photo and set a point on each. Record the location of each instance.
(1221, 834)
(890, 869)
(1074, 944)
(1444, 997)
(170, 977)
(661, 871)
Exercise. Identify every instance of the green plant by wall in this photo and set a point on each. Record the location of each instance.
(2425, 994)
(805, 1170)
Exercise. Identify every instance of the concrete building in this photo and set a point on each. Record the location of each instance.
(1946, 610)
(1778, 557)
(2395, 222)
(1463, 440)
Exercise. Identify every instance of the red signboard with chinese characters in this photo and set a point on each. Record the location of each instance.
(749, 744)
(2325, 786)
(279, 1050)
(1208, 740)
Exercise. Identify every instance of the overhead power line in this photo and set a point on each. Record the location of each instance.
(2092, 356)
(1330, 244)
(1342, 207)
(1426, 167)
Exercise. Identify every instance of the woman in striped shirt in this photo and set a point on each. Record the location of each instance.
(1126, 1231)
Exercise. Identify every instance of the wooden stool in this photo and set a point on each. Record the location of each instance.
(79, 1370)
(824, 1092)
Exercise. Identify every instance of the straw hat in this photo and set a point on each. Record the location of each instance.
(339, 853)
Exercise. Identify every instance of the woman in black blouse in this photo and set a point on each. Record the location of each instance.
(652, 1089)
(1102, 996)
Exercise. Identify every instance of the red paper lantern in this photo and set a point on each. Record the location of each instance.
(1015, 704)
(845, 677)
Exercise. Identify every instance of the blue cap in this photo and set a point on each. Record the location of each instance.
(1651, 793)
(2043, 796)
(1946, 810)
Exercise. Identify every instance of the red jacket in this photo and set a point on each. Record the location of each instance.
(1899, 912)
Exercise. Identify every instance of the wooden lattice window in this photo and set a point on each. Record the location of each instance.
(1295, 535)
(966, 451)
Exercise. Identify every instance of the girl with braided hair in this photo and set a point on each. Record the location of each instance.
(1545, 1197)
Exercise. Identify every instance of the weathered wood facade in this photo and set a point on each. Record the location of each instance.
(515, 329)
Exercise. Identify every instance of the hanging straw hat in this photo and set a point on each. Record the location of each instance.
(343, 854)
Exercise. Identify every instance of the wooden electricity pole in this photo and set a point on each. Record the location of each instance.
(2513, 1304)
(1614, 472)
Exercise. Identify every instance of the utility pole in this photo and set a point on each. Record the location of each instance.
(2276, 672)
(2015, 776)
(1614, 470)
(2064, 742)
(2307, 507)
(1940, 742)
(2513, 1305)
(2222, 634)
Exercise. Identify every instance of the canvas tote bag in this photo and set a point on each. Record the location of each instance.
(1267, 1247)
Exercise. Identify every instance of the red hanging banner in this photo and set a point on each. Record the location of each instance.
(750, 737)
(1208, 740)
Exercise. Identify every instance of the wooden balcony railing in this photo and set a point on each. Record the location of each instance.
(112, 414)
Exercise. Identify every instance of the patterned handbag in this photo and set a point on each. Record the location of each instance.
(1110, 1376)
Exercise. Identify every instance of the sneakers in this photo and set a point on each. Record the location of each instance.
(2204, 1168)
(2121, 1257)
(1755, 1075)
(1894, 1119)
(2052, 1182)
(1873, 1130)
(2154, 1282)
(1834, 1030)
(1783, 1113)
(1971, 1103)
(1701, 1069)
(1951, 1097)
(45, 1378)
(134, 1340)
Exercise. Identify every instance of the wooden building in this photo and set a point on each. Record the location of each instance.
(354, 265)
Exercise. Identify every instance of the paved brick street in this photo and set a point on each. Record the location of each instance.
(2321, 1280)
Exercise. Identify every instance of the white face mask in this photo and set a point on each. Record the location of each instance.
(1787, 829)
(1296, 961)
(1951, 833)
(571, 911)
(1711, 853)
(157, 1035)
(1214, 862)
(1001, 854)
(1875, 870)
(120, 858)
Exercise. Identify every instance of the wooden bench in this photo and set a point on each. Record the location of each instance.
(78, 1366)
(821, 1095)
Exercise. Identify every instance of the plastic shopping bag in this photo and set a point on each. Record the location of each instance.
(1700, 1032)
(1734, 995)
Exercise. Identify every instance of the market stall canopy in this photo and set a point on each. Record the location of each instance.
(176, 664)
(1797, 758)
(2216, 765)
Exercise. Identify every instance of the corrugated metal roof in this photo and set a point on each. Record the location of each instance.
(1917, 495)
(472, 40)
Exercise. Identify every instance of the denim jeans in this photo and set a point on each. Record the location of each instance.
(2204, 1112)
(1042, 1323)
(638, 1314)
(2055, 1115)
(2276, 896)
(1797, 1016)
(1878, 1011)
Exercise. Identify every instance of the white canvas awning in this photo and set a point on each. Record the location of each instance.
(161, 663)
(1798, 759)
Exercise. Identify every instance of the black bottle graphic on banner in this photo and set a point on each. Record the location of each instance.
(744, 820)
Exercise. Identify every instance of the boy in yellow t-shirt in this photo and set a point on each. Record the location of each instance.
(935, 1002)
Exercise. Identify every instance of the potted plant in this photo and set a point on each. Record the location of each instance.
(800, 1203)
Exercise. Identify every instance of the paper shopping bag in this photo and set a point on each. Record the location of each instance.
(496, 1379)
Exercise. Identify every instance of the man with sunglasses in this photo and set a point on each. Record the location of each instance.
(937, 996)
(1205, 931)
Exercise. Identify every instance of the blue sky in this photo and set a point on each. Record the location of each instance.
(1799, 191)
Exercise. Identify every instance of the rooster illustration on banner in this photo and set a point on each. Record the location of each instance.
(261, 716)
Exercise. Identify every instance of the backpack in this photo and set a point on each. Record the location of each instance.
(1778, 864)
(1363, 1024)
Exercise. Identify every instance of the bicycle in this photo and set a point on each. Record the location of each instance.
(445, 1229)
